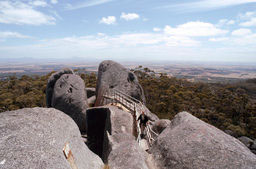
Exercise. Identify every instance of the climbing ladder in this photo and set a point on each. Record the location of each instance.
(133, 105)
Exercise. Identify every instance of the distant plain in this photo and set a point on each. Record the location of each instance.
(192, 71)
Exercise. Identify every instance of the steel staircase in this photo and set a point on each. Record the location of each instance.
(133, 105)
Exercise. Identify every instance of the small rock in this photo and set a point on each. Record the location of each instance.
(246, 141)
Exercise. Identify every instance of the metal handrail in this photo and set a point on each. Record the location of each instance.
(137, 108)
(130, 97)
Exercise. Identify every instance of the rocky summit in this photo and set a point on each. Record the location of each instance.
(73, 133)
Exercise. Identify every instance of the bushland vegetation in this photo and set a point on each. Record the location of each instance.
(29, 91)
(226, 106)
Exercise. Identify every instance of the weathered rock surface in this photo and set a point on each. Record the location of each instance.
(121, 121)
(51, 82)
(116, 139)
(159, 125)
(121, 129)
(191, 143)
(35, 138)
(70, 97)
(90, 91)
(112, 75)
(126, 155)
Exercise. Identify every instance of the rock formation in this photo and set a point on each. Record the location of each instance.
(66, 92)
(112, 75)
(191, 143)
(35, 138)
(51, 83)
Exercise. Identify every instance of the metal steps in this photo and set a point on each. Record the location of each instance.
(135, 107)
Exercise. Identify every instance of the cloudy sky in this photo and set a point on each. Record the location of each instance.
(181, 30)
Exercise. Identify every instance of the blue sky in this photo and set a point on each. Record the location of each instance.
(180, 30)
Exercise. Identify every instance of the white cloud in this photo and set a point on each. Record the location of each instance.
(87, 4)
(129, 16)
(219, 39)
(108, 20)
(38, 3)
(247, 15)
(21, 13)
(247, 40)
(251, 22)
(145, 19)
(8, 34)
(225, 22)
(156, 29)
(180, 41)
(231, 22)
(194, 29)
(248, 19)
(205, 5)
(241, 32)
(222, 22)
(134, 39)
(54, 1)
(137, 46)
(100, 34)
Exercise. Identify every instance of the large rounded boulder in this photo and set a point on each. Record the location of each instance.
(112, 75)
(51, 83)
(66, 92)
(38, 138)
(191, 143)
